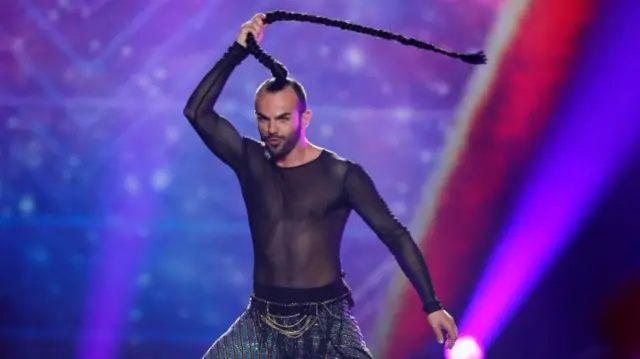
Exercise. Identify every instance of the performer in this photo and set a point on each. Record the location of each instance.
(298, 198)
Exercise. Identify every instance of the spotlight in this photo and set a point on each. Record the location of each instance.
(465, 348)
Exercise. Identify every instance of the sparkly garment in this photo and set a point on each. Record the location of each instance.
(322, 329)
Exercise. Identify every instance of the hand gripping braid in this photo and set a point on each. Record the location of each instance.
(280, 73)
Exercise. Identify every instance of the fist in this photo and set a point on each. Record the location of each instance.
(255, 26)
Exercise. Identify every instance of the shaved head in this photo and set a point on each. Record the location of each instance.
(271, 86)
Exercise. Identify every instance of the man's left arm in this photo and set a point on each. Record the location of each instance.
(367, 202)
(364, 198)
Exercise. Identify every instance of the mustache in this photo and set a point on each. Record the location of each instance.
(267, 138)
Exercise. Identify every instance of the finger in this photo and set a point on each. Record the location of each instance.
(246, 32)
(451, 343)
(247, 27)
(439, 335)
(258, 19)
(260, 26)
(250, 29)
(452, 335)
(256, 29)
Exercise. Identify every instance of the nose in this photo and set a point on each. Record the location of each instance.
(271, 128)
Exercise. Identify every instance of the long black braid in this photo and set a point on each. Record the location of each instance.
(280, 72)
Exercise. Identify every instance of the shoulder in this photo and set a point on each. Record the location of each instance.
(336, 160)
(251, 142)
(341, 165)
(253, 146)
(256, 155)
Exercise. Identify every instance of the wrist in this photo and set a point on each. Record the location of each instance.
(237, 51)
(432, 306)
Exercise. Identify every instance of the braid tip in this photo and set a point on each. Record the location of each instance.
(479, 58)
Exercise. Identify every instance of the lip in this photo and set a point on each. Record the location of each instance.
(274, 141)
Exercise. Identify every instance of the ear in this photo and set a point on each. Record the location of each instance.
(306, 118)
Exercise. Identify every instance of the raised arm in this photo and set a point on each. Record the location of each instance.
(220, 136)
(367, 202)
(216, 132)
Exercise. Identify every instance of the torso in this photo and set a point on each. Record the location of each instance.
(297, 217)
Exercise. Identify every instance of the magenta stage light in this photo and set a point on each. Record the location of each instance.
(598, 129)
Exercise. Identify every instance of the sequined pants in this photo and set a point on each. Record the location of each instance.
(317, 324)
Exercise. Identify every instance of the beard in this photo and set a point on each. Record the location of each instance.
(287, 144)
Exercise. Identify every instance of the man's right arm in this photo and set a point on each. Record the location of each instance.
(217, 132)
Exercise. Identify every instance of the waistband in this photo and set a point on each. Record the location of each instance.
(301, 296)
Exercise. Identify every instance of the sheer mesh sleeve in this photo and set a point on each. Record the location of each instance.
(220, 136)
(367, 202)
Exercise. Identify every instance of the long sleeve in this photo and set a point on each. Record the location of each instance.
(220, 136)
(367, 202)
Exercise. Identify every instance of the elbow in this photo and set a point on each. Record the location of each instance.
(397, 240)
(190, 113)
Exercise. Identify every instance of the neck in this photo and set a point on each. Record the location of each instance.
(298, 154)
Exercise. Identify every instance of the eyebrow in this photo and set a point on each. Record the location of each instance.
(280, 116)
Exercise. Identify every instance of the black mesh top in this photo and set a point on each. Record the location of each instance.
(297, 214)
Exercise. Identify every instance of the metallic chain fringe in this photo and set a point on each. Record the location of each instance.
(306, 321)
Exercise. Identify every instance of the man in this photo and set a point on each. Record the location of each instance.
(298, 198)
